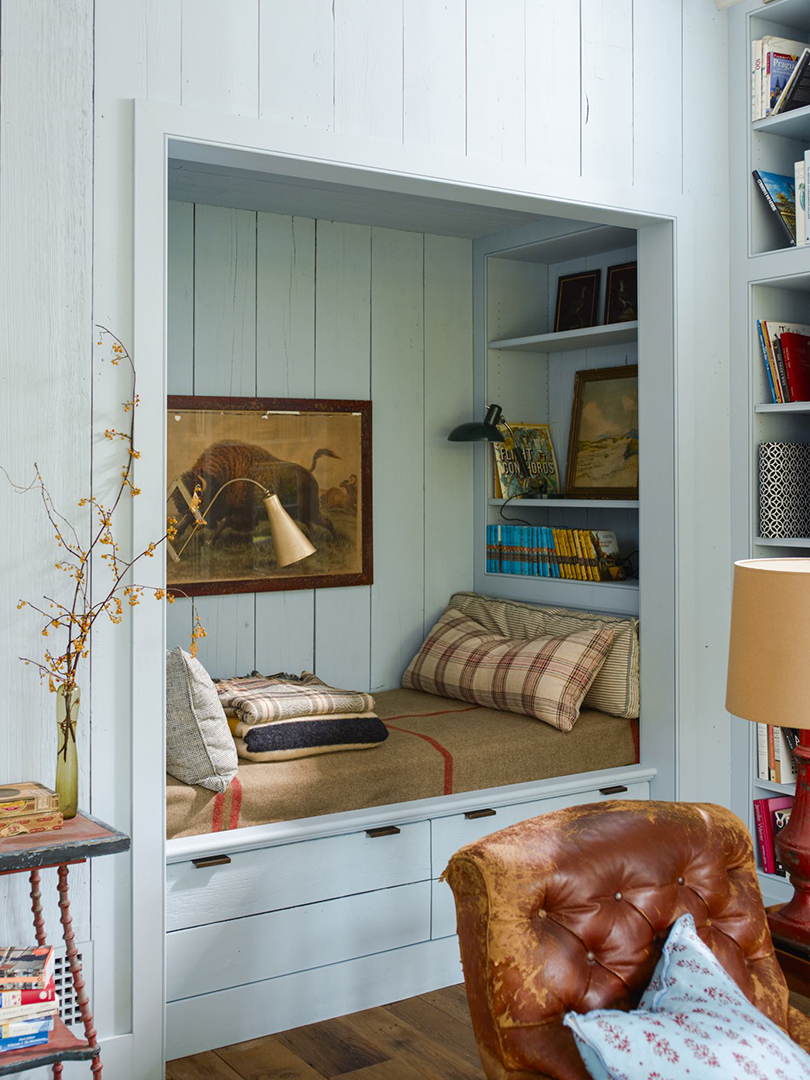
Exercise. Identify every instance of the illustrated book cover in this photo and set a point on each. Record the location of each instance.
(26, 969)
(538, 449)
(780, 194)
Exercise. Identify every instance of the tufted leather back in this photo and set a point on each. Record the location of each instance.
(569, 911)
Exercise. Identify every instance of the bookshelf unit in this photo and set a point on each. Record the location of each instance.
(768, 281)
(530, 371)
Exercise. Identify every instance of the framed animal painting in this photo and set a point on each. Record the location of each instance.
(225, 455)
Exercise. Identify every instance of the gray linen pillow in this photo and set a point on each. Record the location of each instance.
(199, 745)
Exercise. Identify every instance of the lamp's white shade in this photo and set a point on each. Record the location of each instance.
(769, 651)
(289, 542)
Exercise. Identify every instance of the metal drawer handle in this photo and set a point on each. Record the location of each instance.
(472, 815)
(385, 830)
(211, 860)
(612, 790)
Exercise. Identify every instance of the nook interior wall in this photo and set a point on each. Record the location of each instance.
(275, 306)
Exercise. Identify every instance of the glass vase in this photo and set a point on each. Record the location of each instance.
(67, 761)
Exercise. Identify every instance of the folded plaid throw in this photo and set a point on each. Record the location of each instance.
(261, 700)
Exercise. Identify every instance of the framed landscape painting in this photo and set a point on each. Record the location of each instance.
(314, 455)
(603, 439)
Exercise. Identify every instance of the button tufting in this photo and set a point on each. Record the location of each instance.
(617, 896)
(680, 881)
(590, 958)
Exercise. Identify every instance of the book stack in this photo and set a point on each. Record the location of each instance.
(537, 551)
(28, 1001)
(786, 356)
(780, 81)
(775, 760)
(770, 817)
(28, 807)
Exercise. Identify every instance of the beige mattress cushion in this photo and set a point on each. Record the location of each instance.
(615, 689)
(436, 746)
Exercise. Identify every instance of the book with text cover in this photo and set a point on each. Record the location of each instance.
(26, 969)
(544, 476)
(780, 816)
(796, 93)
(608, 556)
(796, 352)
(780, 195)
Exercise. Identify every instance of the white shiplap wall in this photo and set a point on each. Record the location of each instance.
(276, 306)
(628, 93)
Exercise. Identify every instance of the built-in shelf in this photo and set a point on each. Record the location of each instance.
(771, 785)
(786, 407)
(784, 542)
(570, 504)
(619, 597)
(590, 337)
(791, 125)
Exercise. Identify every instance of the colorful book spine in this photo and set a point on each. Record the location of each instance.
(766, 361)
(766, 851)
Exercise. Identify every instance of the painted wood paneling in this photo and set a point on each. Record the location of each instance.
(46, 347)
(434, 74)
(607, 87)
(397, 388)
(343, 351)
(496, 80)
(657, 96)
(180, 325)
(220, 55)
(296, 50)
(553, 131)
(448, 402)
(368, 68)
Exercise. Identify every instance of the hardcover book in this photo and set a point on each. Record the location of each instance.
(544, 476)
(13, 999)
(796, 93)
(796, 353)
(26, 969)
(27, 797)
(780, 195)
(608, 557)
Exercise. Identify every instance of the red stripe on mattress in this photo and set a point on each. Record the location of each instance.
(236, 802)
(217, 812)
(636, 746)
(418, 716)
(447, 756)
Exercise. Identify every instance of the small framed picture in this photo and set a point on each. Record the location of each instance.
(577, 299)
(603, 438)
(621, 296)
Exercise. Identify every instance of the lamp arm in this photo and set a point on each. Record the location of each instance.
(520, 457)
(236, 480)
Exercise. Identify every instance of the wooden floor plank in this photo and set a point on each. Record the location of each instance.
(333, 1047)
(452, 1000)
(266, 1059)
(386, 1070)
(200, 1067)
(402, 1042)
(436, 1024)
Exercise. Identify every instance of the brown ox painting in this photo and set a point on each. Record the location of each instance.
(225, 454)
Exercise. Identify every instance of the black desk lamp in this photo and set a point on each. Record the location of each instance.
(488, 432)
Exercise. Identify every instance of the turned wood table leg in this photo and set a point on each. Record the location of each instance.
(36, 907)
(76, 971)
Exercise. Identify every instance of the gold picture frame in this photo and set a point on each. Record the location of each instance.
(603, 438)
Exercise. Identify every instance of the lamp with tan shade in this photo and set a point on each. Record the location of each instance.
(769, 683)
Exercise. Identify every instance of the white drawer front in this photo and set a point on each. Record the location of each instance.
(247, 950)
(291, 874)
(443, 910)
(451, 833)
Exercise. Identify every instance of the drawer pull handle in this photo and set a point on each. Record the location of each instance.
(385, 830)
(612, 790)
(473, 815)
(212, 860)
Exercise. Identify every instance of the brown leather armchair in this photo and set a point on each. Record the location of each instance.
(569, 911)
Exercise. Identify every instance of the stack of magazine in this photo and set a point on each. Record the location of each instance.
(28, 1001)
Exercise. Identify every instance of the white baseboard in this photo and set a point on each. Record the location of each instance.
(194, 1025)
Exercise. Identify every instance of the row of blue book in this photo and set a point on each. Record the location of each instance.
(540, 551)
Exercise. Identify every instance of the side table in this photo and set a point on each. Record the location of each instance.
(80, 839)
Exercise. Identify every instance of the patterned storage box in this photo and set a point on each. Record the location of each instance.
(784, 490)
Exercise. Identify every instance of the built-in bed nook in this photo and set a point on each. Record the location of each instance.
(310, 886)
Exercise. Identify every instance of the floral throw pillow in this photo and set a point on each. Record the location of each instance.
(693, 1023)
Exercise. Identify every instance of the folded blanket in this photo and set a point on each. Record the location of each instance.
(259, 699)
(240, 730)
(286, 739)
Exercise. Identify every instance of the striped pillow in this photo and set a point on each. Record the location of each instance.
(545, 677)
(615, 689)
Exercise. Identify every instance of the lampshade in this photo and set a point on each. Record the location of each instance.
(769, 652)
(289, 542)
(477, 431)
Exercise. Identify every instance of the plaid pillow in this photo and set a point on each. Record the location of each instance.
(545, 677)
